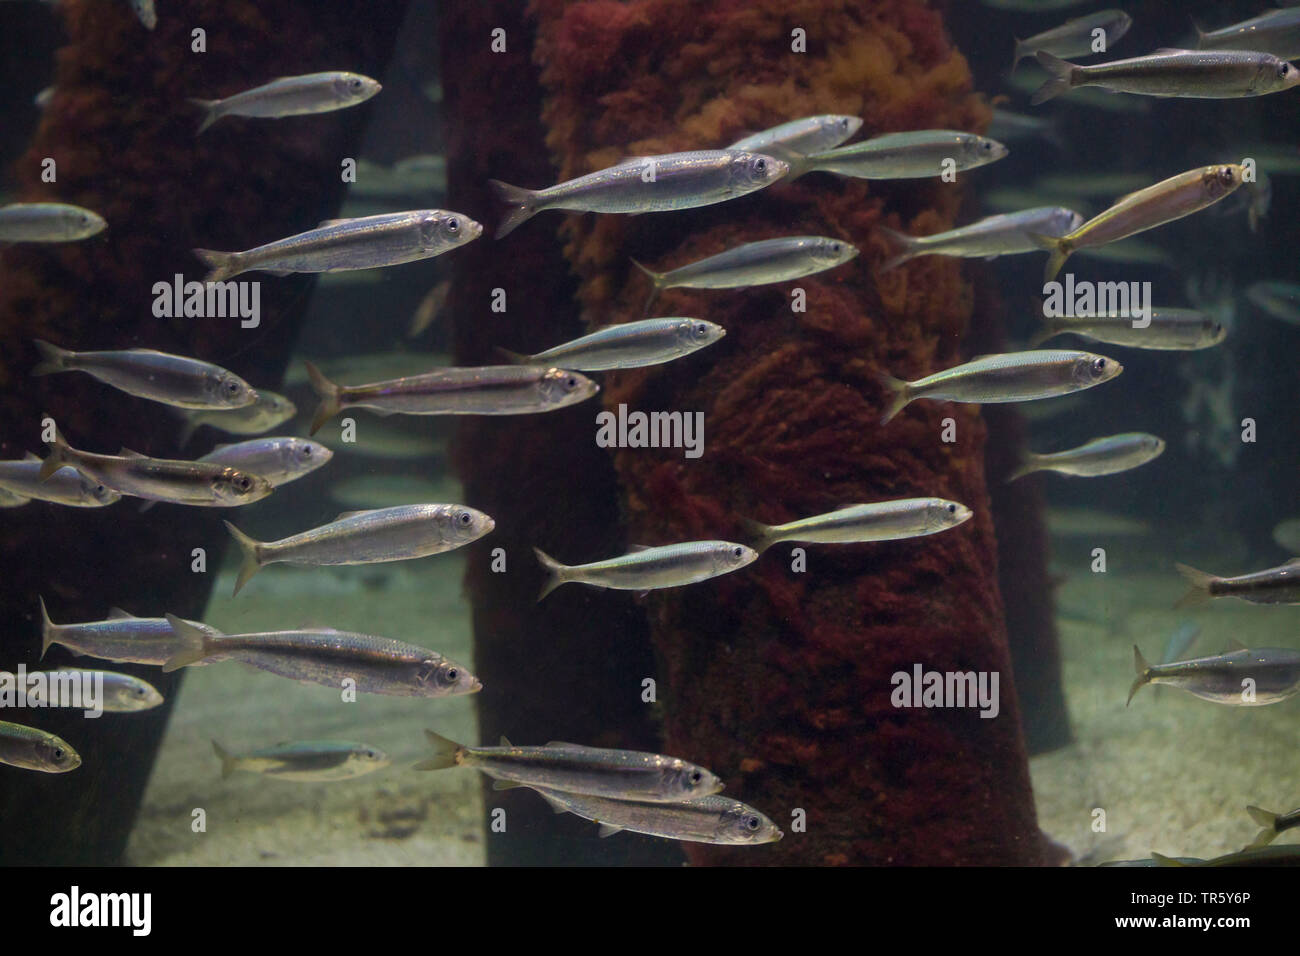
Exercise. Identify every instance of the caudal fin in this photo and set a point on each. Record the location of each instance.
(210, 112)
(1143, 674)
(1017, 55)
(1058, 251)
(446, 753)
(194, 644)
(49, 630)
(521, 205)
(514, 358)
(758, 536)
(911, 248)
(900, 393)
(251, 559)
(1268, 821)
(656, 285)
(53, 358)
(327, 391)
(229, 762)
(1063, 77)
(1200, 586)
(554, 573)
(61, 454)
(1029, 463)
(221, 265)
(1048, 330)
(1200, 40)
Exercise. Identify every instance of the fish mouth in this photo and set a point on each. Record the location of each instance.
(476, 686)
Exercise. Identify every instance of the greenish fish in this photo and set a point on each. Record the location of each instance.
(1101, 456)
(67, 486)
(47, 222)
(1276, 32)
(1215, 74)
(292, 96)
(1272, 824)
(993, 236)
(1076, 37)
(1274, 673)
(310, 761)
(1168, 329)
(628, 345)
(122, 693)
(1281, 300)
(122, 638)
(269, 410)
(920, 154)
(715, 819)
(812, 134)
(597, 771)
(648, 569)
(1279, 585)
(33, 749)
(881, 521)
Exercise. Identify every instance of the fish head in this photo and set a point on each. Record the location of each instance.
(1153, 445)
(741, 824)
(980, 150)
(941, 514)
(845, 127)
(81, 223)
(55, 756)
(442, 230)
(1219, 181)
(464, 524)
(1274, 74)
(94, 491)
(835, 251)
(138, 695)
(370, 758)
(355, 88)
(234, 487)
(273, 408)
(729, 556)
(228, 390)
(443, 678)
(1089, 369)
(301, 455)
(1063, 221)
(560, 388)
(1212, 330)
(750, 171)
(687, 781)
(697, 333)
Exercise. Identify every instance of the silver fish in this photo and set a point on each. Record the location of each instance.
(1281, 300)
(292, 96)
(716, 819)
(340, 245)
(914, 155)
(993, 236)
(430, 307)
(1216, 74)
(1276, 32)
(171, 379)
(311, 761)
(122, 638)
(628, 345)
(1272, 824)
(754, 263)
(1075, 37)
(485, 390)
(377, 665)
(618, 774)
(1011, 377)
(269, 410)
(646, 184)
(1169, 329)
(1274, 671)
(666, 566)
(812, 134)
(1279, 585)
(278, 460)
(67, 486)
(881, 521)
(47, 222)
(368, 537)
(33, 749)
(122, 693)
(1101, 456)
(160, 479)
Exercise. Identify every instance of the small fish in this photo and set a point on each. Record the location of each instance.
(993, 236)
(377, 665)
(628, 345)
(648, 569)
(1276, 32)
(122, 693)
(1274, 673)
(269, 410)
(122, 638)
(1280, 300)
(312, 761)
(1010, 377)
(881, 521)
(278, 460)
(1280, 585)
(368, 537)
(1075, 37)
(340, 245)
(1287, 534)
(160, 479)
(1216, 74)
(292, 96)
(1180, 641)
(1272, 823)
(812, 134)
(1171, 199)
(646, 184)
(1101, 456)
(715, 819)
(617, 774)
(754, 263)
(914, 155)
(1007, 126)
(47, 222)
(33, 749)
(485, 390)
(1169, 329)
(67, 486)
(146, 12)
(430, 307)
(160, 377)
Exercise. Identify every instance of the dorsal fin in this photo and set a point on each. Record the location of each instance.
(640, 547)
(344, 515)
(505, 743)
(1164, 50)
(29, 456)
(125, 452)
(117, 614)
(505, 785)
(326, 223)
(1234, 645)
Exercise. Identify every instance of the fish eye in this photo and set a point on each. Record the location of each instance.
(451, 674)
(465, 518)
(737, 552)
(760, 165)
(844, 123)
(139, 692)
(836, 248)
(371, 755)
(355, 82)
(751, 824)
(1099, 366)
(242, 483)
(701, 330)
(696, 777)
(952, 509)
(59, 754)
(453, 225)
(232, 388)
(571, 382)
(306, 451)
(1283, 69)
(1225, 176)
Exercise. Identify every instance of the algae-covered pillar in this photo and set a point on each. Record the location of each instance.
(785, 678)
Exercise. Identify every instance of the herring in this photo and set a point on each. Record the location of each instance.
(646, 184)
(122, 693)
(47, 222)
(375, 665)
(32, 749)
(793, 140)
(292, 96)
(1279, 585)
(1166, 330)
(881, 521)
(1075, 37)
(1213, 74)
(753, 263)
(278, 460)
(1273, 674)
(1276, 32)
(716, 819)
(158, 376)
(914, 155)
(269, 410)
(1101, 456)
(367, 537)
(1010, 377)
(121, 637)
(627, 345)
(647, 569)
(310, 761)
(574, 768)
(67, 486)
(990, 237)
(485, 390)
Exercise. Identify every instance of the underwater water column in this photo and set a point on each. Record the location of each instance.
(122, 138)
(780, 677)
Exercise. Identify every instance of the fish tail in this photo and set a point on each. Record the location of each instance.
(759, 535)
(910, 247)
(554, 573)
(900, 393)
(1016, 55)
(1047, 331)
(656, 285)
(1268, 821)
(1162, 860)
(514, 358)
(195, 641)
(221, 265)
(53, 358)
(1143, 674)
(1200, 36)
(211, 113)
(521, 203)
(1058, 249)
(49, 630)
(252, 558)
(1029, 463)
(229, 762)
(446, 752)
(329, 396)
(1200, 586)
(61, 454)
(1063, 77)
(188, 427)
